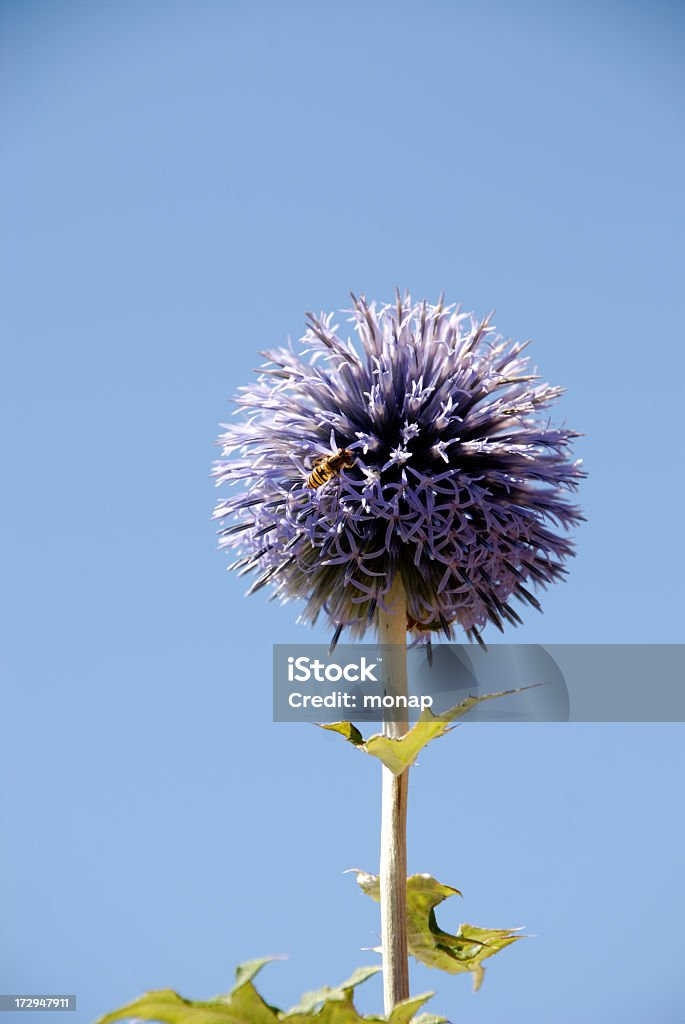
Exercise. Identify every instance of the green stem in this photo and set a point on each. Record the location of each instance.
(392, 631)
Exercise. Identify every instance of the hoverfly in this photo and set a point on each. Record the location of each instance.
(328, 466)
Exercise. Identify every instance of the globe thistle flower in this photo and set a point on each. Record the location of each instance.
(448, 472)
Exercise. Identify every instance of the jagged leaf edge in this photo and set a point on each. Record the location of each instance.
(401, 753)
(168, 1006)
(432, 936)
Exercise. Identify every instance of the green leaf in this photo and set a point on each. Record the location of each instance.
(400, 754)
(244, 1005)
(404, 1012)
(350, 732)
(167, 1006)
(428, 943)
(250, 968)
(319, 997)
(240, 1006)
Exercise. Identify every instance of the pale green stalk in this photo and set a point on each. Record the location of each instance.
(392, 631)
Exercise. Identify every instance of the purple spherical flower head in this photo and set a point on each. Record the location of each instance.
(458, 481)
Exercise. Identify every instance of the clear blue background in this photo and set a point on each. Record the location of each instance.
(180, 182)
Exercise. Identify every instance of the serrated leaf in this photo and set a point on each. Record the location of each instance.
(349, 731)
(250, 968)
(404, 1012)
(171, 1008)
(244, 1005)
(319, 997)
(428, 943)
(400, 754)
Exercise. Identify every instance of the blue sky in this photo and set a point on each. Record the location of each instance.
(181, 182)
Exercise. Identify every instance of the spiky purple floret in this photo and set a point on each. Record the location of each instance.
(460, 482)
